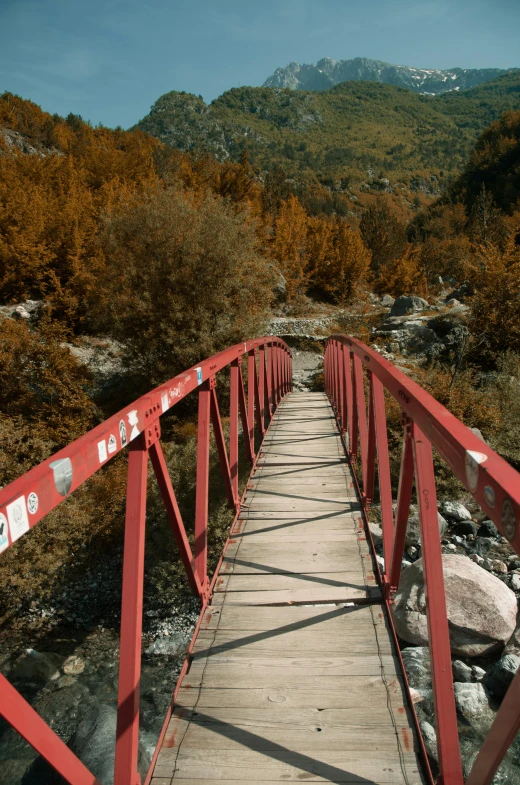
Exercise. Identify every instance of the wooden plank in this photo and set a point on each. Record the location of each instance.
(342, 618)
(333, 692)
(232, 730)
(249, 765)
(215, 670)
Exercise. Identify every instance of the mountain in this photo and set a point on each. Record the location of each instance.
(352, 133)
(327, 73)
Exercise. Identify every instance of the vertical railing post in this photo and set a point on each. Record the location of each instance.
(202, 489)
(383, 466)
(267, 387)
(342, 407)
(251, 395)
(404, 495)
(127, 732)
(361, 416)
(349, 401)
(233, 425)
(438, 631)
(261, 387)
(369, 482)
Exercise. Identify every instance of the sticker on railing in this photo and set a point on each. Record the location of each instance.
(489, 495)
(112, 444)
(508, 519)
(199, 375)
(32, 503)
(165, 402)
(102, 451)
(133, 421)
(4, 542)
(122, 433)
(62, 470)
(17, 517)
(473, 459)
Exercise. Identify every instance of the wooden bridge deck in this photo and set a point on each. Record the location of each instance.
(294, 674)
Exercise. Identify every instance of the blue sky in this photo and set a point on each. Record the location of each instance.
(109, 60)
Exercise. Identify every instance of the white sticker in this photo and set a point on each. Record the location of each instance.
(102, 450)
(199, 375)
(165, 402)
(473, 459)
(133, 420)
(4, 542)
(122, 433)
(112, 444)
(32, 503)
(17, 517)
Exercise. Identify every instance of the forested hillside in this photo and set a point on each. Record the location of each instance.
(352, 137)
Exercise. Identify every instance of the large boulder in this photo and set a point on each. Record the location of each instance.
(413, 528)
(481, 608)
(404, 304)
(500, 675)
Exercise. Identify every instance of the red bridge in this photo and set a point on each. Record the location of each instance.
(294, 671)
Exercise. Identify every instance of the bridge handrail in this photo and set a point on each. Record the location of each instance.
(24, 502)
(487, 476)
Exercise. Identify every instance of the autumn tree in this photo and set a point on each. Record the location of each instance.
(290, 245)
(383, 234)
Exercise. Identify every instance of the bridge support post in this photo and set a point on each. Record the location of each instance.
(439, 639)
(201, 493)
(233, 426)
(127, 732)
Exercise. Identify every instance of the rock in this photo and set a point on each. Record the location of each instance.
(417, 665)
(404, 304)
(430, 740)
(36, 666)
(515, 582)
(481, 608)
(387, 301)
(380, 562)
(94, 741)
(461, 293)
(470, 699)
(20, 312)
(513, 644)
(513, 563)
(454, 511)
(465, 527)
(500, 675)
(73, 666)
(168, 645)
(477, 673)
(413, 529)
(377, 533)
(477, 559)
(461, 671)
(453, 303)
(487, 529)
(483, 546)
(499, 567)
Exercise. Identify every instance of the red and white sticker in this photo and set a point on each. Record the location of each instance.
(4, 539)
(18, 518)
(102, 451)
(473, 461)
(112, 444)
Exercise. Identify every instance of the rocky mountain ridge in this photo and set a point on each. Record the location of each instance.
(346, 133)
(328, 72)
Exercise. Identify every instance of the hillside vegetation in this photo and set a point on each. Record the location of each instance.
(354, 133)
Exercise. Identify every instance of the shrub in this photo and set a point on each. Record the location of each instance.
(184, 280)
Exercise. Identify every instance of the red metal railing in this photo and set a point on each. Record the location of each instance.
(27, 500)
(350, 367)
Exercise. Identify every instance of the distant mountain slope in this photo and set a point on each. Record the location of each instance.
(327, 73)
(353, 132)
